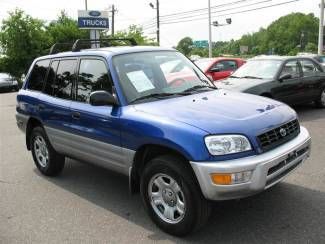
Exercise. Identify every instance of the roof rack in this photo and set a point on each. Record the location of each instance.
(82, 42)
(59, 47)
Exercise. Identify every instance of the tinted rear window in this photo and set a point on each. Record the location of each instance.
(37, 77)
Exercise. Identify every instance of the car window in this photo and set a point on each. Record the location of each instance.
(65, 76)
(164, 72)
(93, 76)
(292, 68)
(37, 77)
(308, 68)
(226, 65)
(50, 85)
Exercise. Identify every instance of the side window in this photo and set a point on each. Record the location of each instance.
(292, 68)
(308, 68)
(37, 77)
(65, 76)
(50, 85)
(226, 65)
(93, 76)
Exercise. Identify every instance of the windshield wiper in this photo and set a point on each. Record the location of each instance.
(198, 87)
(251, 77)
(160, 95)
(233, 76)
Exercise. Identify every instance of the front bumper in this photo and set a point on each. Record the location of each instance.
(267, 169)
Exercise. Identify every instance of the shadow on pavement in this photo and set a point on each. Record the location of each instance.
(309, 112)
(285, 213)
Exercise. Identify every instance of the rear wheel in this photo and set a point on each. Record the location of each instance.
(172, 196)
(46, 159)
(320, 102)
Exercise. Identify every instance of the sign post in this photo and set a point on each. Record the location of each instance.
(95, 21)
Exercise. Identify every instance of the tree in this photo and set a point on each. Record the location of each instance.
(185, 46)
(311, 47)
(65, 29)
(135, 32)
(22, 39)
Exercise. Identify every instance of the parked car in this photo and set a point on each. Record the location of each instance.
(219, 68)
(292, 80)
(181, 145)
(318, 58)
(7, 83)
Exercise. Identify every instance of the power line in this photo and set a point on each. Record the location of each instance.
(223, 10)
(177, 14)
(204, 9)
(238, 12)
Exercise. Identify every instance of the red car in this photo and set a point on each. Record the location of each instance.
(219, 68)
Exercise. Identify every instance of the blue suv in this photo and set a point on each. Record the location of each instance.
(149, 113)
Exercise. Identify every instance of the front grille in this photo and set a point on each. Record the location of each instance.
(274, 138)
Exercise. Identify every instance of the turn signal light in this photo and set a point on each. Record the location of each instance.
(231, 178)
(221, 179)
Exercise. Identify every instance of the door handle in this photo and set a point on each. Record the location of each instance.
(75, 115)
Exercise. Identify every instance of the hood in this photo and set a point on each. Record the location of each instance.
(240, 84)
(222, 111)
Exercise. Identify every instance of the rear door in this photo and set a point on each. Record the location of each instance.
(96, 129)
(55, 102)
(312, 79)
(289, 90)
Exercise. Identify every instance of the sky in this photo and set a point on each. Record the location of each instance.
(139, 12)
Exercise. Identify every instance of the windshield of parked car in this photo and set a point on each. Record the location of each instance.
(263, 69)
(157, 75)
(204, 63)
(320, 59)
(5, 77)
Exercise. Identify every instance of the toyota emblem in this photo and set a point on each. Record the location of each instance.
(283, 132)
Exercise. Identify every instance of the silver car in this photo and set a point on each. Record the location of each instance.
(7, 83)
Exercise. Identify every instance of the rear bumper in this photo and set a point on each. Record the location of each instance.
(267, 169)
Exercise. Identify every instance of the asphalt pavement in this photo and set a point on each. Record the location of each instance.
(87, 204)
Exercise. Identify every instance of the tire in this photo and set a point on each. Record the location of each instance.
(320, 102)
(46, 159)
(185, 195)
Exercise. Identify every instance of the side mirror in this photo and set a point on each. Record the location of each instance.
(285, 77)
(215, 69)
(102, 98)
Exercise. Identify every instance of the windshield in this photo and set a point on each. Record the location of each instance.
(163, 72)
(320, 59)
(204, 63)
(264, 69)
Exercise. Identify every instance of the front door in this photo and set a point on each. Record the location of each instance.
(96, 129)
(289, 90)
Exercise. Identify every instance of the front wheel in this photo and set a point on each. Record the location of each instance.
(320, 102)
(46, 159)
(172, 196)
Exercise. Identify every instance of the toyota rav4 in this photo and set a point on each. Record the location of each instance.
(151, 114)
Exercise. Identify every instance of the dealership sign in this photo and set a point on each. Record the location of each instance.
(93, 19)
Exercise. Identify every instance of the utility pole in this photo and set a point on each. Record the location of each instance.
(113, 18)
(210, 31)
(86, 7)
(321, 28)
(158, 23)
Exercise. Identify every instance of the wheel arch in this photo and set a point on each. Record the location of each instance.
(31, 124)
(142, 157)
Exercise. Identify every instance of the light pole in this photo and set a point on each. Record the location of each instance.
(321, 28)
(158, 21)
(210, 31)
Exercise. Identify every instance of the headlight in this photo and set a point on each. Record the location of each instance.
(227, 144)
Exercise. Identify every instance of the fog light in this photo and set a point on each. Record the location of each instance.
(231, 178)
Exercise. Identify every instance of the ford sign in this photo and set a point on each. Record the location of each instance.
(94, 13)
(93, 19)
